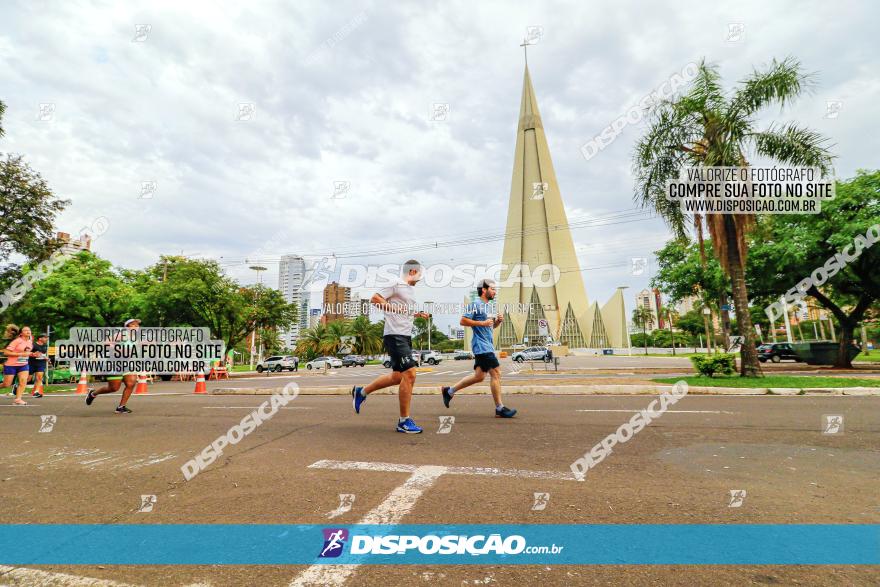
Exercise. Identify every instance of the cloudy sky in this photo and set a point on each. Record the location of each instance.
(344, 92)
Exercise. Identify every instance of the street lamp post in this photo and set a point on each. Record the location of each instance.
(259, 269)
(429, 306)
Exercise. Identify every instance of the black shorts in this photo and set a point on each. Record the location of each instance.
(399, 349)
(486, 361)
(37, 366)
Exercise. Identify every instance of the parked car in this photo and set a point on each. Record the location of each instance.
(319, 363)
(429, 357)
(277, 363)
(354, 361)
(776, 352)
(533, 353)
(463, 355)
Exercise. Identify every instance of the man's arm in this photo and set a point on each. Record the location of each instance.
(465, 321)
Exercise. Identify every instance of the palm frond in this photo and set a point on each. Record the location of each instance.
(781, 82)
(794, 145)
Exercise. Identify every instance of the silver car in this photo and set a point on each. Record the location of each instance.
(277, 364)
(320, 362)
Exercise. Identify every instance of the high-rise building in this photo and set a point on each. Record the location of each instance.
(539, 240)
(70, 247)
(650, 300)
(337, 301)
(291, 273)
(314, 317)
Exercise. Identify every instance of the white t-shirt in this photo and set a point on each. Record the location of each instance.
(403, 295)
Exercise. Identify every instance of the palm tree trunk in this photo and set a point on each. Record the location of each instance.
(698, 224)
(749, 366)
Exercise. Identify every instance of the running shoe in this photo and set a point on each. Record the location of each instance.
(447, 397)
(90, 397)
(122, 410)
(21, 402)
(505, 412)
(408, 427)
(357, 398)
(37, 394)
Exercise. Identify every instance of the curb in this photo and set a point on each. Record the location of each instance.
(570, 390)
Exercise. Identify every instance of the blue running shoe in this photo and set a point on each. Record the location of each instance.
(505, 412)
(447, 397)
(408, 427)
(357, 398)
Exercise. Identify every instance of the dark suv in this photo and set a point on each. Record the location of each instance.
(777, 351)
(353, 361)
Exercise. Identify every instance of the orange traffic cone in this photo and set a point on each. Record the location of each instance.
(83, 385)
(200, 383)
(142, 384)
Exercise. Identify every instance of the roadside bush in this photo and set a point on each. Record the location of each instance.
(710, 364)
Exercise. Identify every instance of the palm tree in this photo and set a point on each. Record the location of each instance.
(332, 340)
(368, 339)
(707, 127)
(643, 317)
(310, 341)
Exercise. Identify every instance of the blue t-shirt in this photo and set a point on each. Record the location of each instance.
(481, 341)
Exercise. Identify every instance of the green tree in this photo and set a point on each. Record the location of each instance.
(85, 291)
(789, 248)
(28, 209)
(310, 341)
(195, 292)
(708, 127)
(368, 338)
(332, 340)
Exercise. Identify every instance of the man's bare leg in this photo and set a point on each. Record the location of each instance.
(478, 376)
(495, 385)
(383, 381)
(408, 379)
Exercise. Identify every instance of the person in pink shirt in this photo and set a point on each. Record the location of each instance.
(17, 353)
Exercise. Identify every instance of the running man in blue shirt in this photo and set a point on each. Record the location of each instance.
(478, 316)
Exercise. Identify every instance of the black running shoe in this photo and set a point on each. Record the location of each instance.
(90, 397)
(37, 394)
(122, 410)
(505, 412)
(447, 397)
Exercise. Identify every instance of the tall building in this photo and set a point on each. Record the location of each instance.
(538, 235)
(337, 301)
(70, 247)
(291, 272)
(314, 317)
(650, 300)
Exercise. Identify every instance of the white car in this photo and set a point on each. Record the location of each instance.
(321, 361)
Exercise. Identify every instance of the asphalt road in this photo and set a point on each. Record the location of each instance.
(94, 466)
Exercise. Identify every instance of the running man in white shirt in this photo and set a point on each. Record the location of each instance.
(398, 302)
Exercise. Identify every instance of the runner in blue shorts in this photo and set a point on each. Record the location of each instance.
(17, 353)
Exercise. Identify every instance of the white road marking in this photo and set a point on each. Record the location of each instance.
(393, 508)
(668, 411)
(36, 577)
(252, 407)
(400, 502)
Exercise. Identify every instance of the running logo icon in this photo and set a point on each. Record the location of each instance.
(47, 423)
(446, 423)
(832, 424)
(334, 541)
(541, 500)
(737, 497)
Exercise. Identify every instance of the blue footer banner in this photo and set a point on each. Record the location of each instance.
(425, 544)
